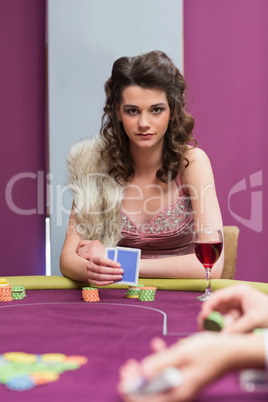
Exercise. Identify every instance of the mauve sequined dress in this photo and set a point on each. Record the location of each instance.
(168, 234)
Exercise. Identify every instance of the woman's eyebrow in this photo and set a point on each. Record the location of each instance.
(159, 104)
(155, 105)
(131, 106)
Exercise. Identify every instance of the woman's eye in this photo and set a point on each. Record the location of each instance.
(157, 110)
(132, 111)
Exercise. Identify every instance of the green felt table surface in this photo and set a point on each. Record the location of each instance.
(191, 285)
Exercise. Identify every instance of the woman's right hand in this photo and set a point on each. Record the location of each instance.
(103, 271)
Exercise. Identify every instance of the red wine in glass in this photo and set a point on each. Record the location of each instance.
(208, 247)
(208, 253)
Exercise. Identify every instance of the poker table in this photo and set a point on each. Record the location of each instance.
(53, 318)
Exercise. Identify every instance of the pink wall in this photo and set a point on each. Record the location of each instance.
(22, 139)
(226, 65)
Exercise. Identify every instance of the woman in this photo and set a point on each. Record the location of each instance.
(140, 184)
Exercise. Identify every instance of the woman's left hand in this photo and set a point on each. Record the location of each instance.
(89, 248)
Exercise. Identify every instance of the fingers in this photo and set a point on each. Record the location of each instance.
(243, 307)
(130, 377)
(129, 374)
(230, 318)
(88, 248)
(223, 300)
(82, 243)
(245, 323)
(101, 283)
(103, 271)
(106, 263)
(158, 344)
(155, 363)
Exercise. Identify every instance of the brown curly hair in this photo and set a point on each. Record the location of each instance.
(151, 70)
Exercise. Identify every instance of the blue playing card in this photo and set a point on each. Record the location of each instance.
(110, 253)
(129, 258)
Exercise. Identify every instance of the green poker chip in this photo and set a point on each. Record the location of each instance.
(147, 293)
(214, 321)
(135, 286)
(146, 298)
(259, 331)
(133, 292)
(18, 292)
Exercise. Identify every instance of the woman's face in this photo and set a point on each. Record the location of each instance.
(145, 115)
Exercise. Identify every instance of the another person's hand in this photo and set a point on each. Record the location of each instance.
(101, 271)
(201, 358)
(244, 308)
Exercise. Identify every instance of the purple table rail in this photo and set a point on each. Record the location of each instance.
(107, 333)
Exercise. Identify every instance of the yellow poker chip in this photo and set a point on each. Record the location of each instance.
(53, 357)
(43, 377)
(20, 357)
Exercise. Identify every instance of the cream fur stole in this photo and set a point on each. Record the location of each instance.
(97, 196)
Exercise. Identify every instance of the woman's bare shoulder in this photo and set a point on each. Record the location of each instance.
(194, 154)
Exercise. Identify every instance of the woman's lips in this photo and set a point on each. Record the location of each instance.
(143, 135)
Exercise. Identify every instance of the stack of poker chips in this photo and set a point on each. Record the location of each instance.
(9, 293)
(90, 294)
(147, 293)
(18, 292)
(141, 292)
(133, 292)
(5, 292)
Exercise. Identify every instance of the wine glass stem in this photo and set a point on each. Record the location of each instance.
(208, 275)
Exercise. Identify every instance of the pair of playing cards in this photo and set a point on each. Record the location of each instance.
(129, 258)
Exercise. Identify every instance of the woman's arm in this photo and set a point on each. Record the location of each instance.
(84, 260)
(198, 182)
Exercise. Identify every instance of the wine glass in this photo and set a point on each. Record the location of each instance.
(208, 247)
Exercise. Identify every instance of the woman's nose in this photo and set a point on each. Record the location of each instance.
(144, 121)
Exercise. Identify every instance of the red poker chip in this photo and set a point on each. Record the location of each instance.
(6, 299)
(90, 295)
(92, 300)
